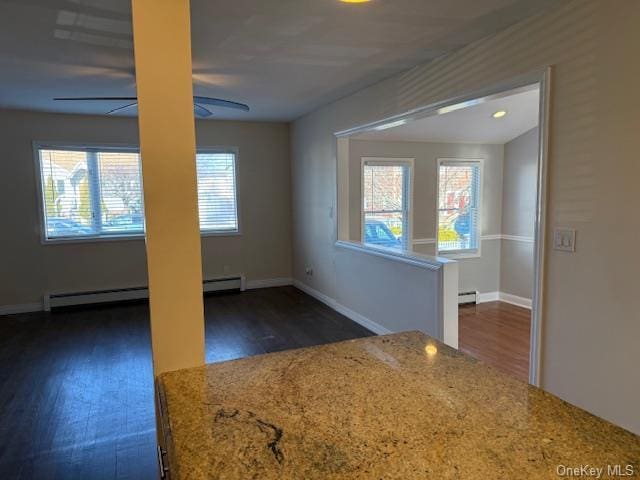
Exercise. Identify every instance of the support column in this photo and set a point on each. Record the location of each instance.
(449, 300)
(162, 42)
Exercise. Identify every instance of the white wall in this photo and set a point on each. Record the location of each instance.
(29, 268)
(483, 273)
(518, 215)
(395, 309)
(508, 206)
(590, 318)
(345, 276)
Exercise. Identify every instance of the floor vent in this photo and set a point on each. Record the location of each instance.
(467, 298)
(72, 299)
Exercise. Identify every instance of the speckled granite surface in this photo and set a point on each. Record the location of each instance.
(376, 408)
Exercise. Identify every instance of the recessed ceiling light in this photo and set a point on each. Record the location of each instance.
(355, 1)
(499, 114)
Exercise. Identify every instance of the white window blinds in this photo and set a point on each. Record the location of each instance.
(97, 192)
(91, 193)
(458, 206)
(217, 192)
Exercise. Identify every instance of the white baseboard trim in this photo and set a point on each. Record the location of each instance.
(22, 308)
(268, 283)
(250, 285)
(504, 297)
(515, 300)
(347, 312)
(488, 297)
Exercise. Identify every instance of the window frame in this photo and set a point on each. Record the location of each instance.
(460, 253)
(237, 231)
(124, 148)
(408, 194)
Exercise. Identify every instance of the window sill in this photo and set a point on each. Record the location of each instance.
(123, 238)
(110, 238)
(459, 256)
(226, 233)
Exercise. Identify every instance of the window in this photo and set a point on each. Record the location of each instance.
(217, 192)
(459, 206)
(385, 202)
(97, 192)
(91, 193)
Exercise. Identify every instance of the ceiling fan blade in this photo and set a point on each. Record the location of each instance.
(218, 102)
(124, 107)
(201, 111)
(104, 99)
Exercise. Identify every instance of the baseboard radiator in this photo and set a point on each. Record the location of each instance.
(72, 299)
(467, 298)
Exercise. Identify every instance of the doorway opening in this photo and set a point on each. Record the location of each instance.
(462, 180)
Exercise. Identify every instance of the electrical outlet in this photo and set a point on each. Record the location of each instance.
(564, 240)
(309, 271)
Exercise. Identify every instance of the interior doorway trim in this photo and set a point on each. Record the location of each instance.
(537, 301)
(542, 79)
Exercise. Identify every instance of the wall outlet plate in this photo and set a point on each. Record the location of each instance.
(564, 239)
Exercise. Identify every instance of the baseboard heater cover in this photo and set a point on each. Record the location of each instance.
(60, 300)
(467, 298)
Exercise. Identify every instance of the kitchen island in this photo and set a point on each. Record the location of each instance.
(400, 406)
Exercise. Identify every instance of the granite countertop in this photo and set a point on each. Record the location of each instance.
(387, 407)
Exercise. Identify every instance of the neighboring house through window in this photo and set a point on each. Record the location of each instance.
(459, 190)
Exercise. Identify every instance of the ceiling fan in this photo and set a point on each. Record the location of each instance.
(198, 103)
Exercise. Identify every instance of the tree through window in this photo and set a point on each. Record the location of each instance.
(458, 206)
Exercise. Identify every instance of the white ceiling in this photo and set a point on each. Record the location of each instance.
(473, 124)
(282, 57)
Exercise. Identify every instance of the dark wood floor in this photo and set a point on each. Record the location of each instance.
(76, 388)
(498, 334)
